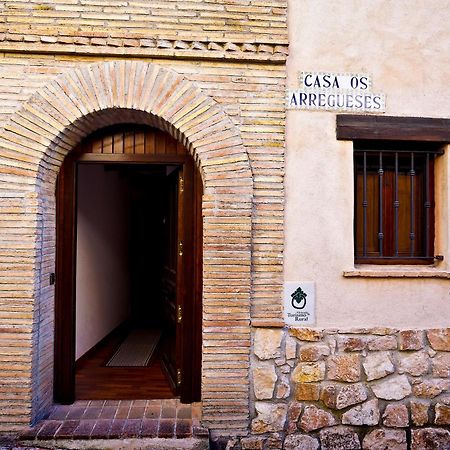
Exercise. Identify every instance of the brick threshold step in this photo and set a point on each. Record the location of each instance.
(118, 420)
(119, 444)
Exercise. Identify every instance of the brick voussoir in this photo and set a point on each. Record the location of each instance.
(193, 121)
(184, 117)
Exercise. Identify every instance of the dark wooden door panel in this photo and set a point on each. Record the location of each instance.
(170, 279)
(64, 369)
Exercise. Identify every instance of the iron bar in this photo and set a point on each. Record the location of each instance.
(427, 205)
(380, 202)
(396, 205)
(364, 204)
(412, 235)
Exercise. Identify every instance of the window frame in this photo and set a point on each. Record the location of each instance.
(388, 233)
(396, 134)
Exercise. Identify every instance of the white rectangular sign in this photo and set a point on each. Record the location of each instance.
(299, 303)
(331, 80)
(330, 100)
(331, 91)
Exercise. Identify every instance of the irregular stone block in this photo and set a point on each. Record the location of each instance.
(306, 334)
(283, 388)
(344, 368)
(291, 348)
(339, 438)
(442, 414)
(267, 343)
(410, 340)
(378, 365)
(383, 343)
(300, 442)
(341, 396)
(415, 364)
(307, 391)
(264, 379)
(314, 418)
(441, 365)
(353, 330)
(270, 417)
(252, 443)
(351, 343)
(396, 416)
(430, 439)
(430, 388)
(394, 388)
(280, 361)
(366, 414)
(439, 339)
(293, 414)
(419, 412)
(313, 352)
(274, 441)
(382, 331)
(309, 372)
(383, 439)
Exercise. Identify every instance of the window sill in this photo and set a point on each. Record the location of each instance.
(395, 272)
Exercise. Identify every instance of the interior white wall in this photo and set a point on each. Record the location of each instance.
(404, 45)
(102, 281)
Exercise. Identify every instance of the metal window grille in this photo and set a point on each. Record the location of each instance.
(394, 204)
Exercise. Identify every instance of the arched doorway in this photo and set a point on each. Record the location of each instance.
(146, 279)
(49, 125)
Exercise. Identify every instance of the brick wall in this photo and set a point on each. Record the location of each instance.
(168, 27)
(232, 116)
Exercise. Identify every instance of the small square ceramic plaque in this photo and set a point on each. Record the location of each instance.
(299, 303)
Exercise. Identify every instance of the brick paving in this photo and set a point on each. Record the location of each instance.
(117, 419)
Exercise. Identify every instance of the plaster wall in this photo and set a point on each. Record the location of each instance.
(102, 283)
(402, 44)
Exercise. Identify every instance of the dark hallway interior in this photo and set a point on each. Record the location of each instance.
(146, 204)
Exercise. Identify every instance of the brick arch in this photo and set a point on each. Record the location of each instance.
(32, 147)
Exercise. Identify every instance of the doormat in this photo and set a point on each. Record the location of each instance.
(136, 350)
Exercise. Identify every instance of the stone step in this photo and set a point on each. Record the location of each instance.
(194, 443)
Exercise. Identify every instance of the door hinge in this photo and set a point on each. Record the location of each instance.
(180, 248)
(179, 314)
(181, 185)
(178, 377)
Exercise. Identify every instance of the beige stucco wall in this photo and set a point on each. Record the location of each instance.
(102, 281)
(403, 45)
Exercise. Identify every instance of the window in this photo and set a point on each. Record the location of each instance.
(394, 202)
(394, 185)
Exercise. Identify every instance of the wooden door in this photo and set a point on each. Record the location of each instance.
(181, 282)
(182, 278)
(64, 369)
(171, 275)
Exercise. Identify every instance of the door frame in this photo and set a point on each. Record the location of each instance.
(188, 330)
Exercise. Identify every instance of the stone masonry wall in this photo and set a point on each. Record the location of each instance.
(348, 389)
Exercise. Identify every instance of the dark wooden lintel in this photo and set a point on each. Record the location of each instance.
(103, 158)
(389, 128)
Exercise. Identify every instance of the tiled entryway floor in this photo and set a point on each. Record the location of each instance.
(116, 419)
